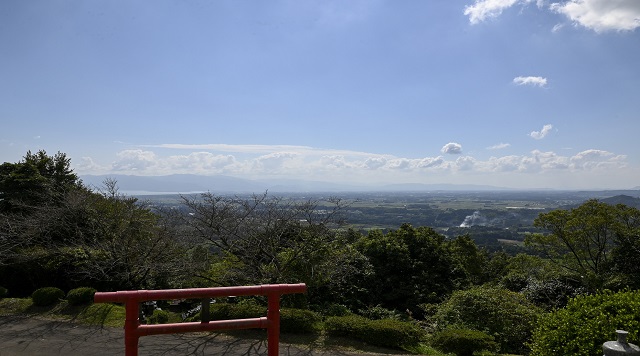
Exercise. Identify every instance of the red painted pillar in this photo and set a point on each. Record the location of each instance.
(273, 330)
(131, 324)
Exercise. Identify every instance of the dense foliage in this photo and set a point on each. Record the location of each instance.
(586, 323)
(506, 315)
(584, 241)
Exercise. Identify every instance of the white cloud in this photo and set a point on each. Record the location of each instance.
(499, 146)
(430, 162)
(538, 135)
(273, 162)
(203, 162)
(134, 160)
(602, 15)
(483, 9)
(465, 163)
(535, 81)
(400, 163)
(374, 162)
(534, 167)
(597, 15)
(452, 148)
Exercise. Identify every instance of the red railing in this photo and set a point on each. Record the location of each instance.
(133, 330)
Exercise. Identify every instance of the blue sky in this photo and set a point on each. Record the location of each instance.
(512, 93)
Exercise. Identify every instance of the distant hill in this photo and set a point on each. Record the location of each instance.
(176, 183)
(623, 199)
(438, 187)
(190, 183)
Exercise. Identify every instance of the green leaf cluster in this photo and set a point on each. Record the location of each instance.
(586, 323)
(507, 316)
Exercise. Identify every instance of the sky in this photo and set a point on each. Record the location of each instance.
(520, 94)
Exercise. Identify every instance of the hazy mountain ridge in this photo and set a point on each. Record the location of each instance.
(187, 183)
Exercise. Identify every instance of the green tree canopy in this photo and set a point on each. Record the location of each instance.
(582, 239)
(38, 178)
(411, 266)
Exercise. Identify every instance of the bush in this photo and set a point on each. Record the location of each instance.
(295, 321)
(47, 296)
(159, 316)
(463, 342)
(506, 315)
(299, 321)
(385, 332)
(586, 323)
(336, 310)
(81, 295)
(378, 312)
(3, 292)
(224, 311)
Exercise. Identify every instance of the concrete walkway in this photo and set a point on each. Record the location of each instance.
(22, 336)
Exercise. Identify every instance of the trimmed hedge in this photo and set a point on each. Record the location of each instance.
(299, 321)
(159, 317)
(47, 296)
(81, 295)
(463, 342)
(294, 321)
(586, 323)
(384, 332)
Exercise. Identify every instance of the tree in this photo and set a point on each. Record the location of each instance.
(132, 247)
(411, 266)
(472, 260)
(264, 239)
(582, 239)
(56, 232)
(37, 179)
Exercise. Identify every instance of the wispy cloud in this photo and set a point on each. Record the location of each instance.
(257, 149)
(535, 81)
(538, 135)
(499, 146)
(484, 9)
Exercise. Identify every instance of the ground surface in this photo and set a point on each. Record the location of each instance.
(21, 336)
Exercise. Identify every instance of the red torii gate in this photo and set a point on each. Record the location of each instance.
(133, 330)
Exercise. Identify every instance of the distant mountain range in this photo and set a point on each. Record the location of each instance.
(190, 183)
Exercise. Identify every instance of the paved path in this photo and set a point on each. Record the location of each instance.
(22, 336)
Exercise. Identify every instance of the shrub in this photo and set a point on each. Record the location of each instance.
(296, 321)
(81, 295)
(463, 342)
(385, 332)
(223, 311)
(299, 321)
(378, 312)
(3, 292)
(336, 310)
(159, 316)
(506, 315)
(586, 323)
(47, 296)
